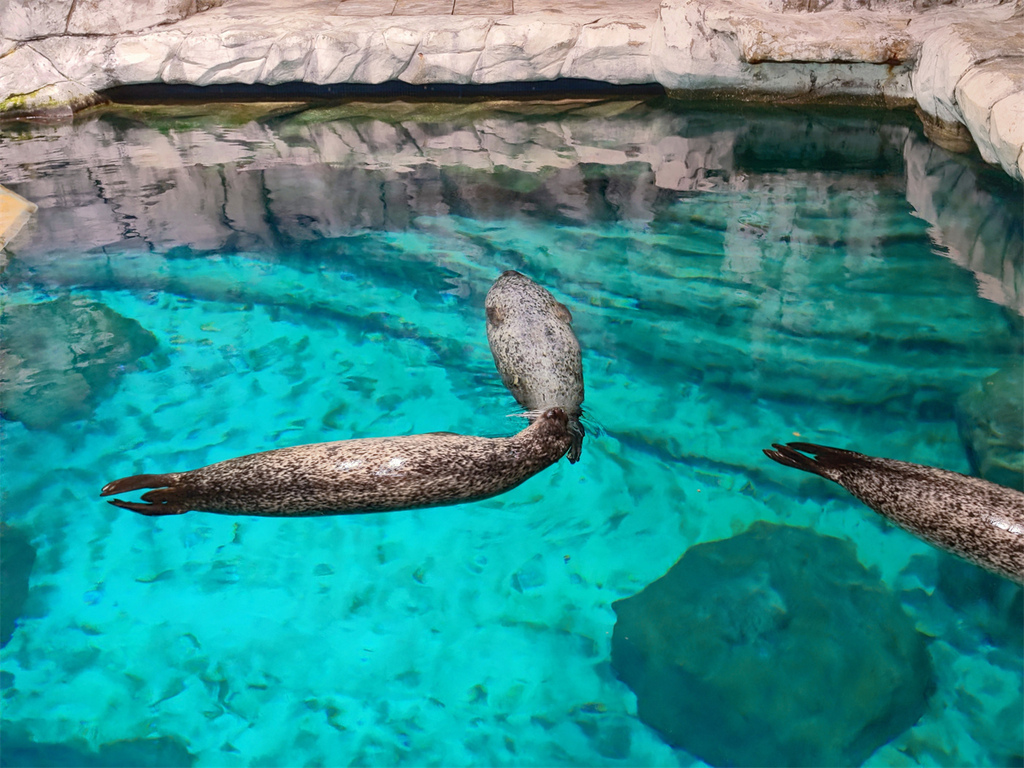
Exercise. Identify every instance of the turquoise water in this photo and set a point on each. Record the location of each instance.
(214, 283)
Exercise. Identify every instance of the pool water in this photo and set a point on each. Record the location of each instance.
(217, 281)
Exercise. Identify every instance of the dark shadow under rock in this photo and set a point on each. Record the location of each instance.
(61, 357)
(989, 417)
(17, 555)
(20, 751)
(774, 647)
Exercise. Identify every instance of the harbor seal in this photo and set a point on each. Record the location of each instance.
(535, 350)
(980, 521)
(380, 474)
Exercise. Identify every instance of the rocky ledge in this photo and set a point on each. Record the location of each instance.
(960, 61)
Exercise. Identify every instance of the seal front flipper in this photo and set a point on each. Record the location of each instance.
(161, 501)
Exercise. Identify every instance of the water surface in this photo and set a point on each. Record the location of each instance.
(215, 282)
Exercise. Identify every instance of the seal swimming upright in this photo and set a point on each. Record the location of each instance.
(379, 474)
(970, 517)
(535, 350)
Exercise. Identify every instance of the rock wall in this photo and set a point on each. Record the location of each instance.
(961, 62)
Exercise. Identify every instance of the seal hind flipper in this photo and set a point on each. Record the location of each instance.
(135, 483)
(150, 510)
(164, 500)
(824, 460)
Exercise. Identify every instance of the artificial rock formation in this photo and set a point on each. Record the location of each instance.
(17, 556)
(61, 357)
(56, 58)
(733, 659)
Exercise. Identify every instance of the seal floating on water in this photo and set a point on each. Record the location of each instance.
(379, 474)
(535, 350)
(980, 521)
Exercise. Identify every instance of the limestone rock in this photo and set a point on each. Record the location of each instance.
(989, 417)
(978, 92)
(61, 357)
(525, 48)
(612, 50)
(774, 647)
(17, 556)
(28, 19)
(1007, 133)
(949, 53)
(30, 86)
(830, 36)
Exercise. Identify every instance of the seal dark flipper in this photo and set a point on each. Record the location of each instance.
(162, 501)
(576, 449)
(150, 510)
(824, 461)
(137, 482)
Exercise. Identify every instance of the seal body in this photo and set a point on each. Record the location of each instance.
(980, 521)
(353, 476)
(536, 352)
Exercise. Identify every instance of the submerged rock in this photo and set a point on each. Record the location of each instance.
(989, 418)
(162, 752)
(17, 555)
(774, 647)
(61, 357)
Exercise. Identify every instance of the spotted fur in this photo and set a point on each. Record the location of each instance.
(351, 476)
(536, 351)
(970, 517)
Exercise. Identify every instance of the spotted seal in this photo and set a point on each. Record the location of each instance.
(380, 474)
(970, 517)
(535, 350)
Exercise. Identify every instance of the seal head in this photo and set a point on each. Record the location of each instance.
(536, 351)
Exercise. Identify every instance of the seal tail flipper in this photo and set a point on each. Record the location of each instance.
(137, 482)
(150, 510)
(824, 461)
(165, 500)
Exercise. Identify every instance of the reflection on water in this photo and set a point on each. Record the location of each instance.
(236, 280)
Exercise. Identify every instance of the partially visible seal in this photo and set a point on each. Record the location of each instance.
(379, 474)
(536, 351)
(970, 517)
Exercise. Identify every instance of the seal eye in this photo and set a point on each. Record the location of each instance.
(494, 315)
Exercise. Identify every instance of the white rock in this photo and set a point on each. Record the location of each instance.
(448, 52)
(389, 52)
(142, 58)
(82, 59)
(1007, 133)
(336, 53)
(28, 19)
(949, 53)
(24, 70)
(979, 90)
(854, 36)
(531, 47)
(102, 17)
(613, 51)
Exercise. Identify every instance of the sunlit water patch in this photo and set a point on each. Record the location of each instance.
(215, 284)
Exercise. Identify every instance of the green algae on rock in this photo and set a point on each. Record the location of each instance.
(61, 357)
(733, 659)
